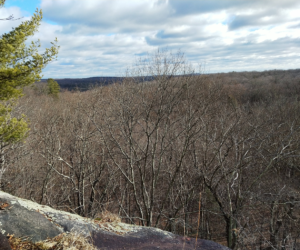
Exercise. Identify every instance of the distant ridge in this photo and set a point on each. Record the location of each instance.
(84, 84)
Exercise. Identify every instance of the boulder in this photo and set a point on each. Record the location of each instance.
(4, 244)
(23, 218)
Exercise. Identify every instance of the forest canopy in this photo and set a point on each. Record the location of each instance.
(20, 66)
(151, 151)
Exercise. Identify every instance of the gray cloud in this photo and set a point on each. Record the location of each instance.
(104, 37)
(104, 16)
(295, 26)
(270, 16)
(188, 7)
(163, 38)
(248, 56)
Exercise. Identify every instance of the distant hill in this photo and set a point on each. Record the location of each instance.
(84, 84)
(246, 77)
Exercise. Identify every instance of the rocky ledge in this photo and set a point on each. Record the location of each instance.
(27, 219)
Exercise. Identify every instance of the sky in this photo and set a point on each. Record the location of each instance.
(104, 37)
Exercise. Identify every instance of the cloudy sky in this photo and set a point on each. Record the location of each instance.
(103, 37)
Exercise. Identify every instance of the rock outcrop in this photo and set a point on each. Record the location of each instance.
(24, 218)
(4, 244)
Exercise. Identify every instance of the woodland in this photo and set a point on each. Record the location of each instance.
(211, 156)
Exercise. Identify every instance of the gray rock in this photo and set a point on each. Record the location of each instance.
(17, 220)
(4, 245)
(25, 218)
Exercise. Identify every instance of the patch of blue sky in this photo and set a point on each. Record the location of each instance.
(228, 20)
(49, 21)
(141, 54)
(67, 63)
(253, 29)
(89, 33)
(271, 27)
(26, 6)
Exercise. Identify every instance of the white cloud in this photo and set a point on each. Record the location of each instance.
(6, 25)
(103, 37)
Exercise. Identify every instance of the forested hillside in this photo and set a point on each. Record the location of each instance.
(214, 156)
(83, 84)
(266, 77)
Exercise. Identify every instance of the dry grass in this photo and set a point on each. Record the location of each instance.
(107, 216)
(65, 241)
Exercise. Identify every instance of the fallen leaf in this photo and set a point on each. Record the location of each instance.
(4, 205)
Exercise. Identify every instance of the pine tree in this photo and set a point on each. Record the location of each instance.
(53, 87)
(20, 66)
